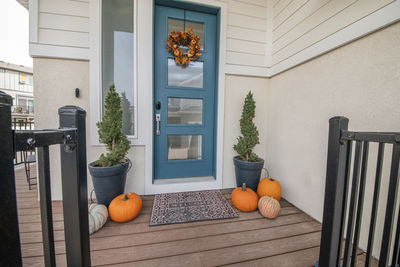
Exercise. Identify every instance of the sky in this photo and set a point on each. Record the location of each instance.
(14, 33)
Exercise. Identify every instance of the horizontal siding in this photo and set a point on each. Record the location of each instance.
(63, 38)
(63, 22)
(308, 24)
(244, 59)
(288, 12)
(281, 6)
(245, 47)
(296, 18)
(65, 7)
(246, 33)
(247, 9)
(244, 21)
(322, 22)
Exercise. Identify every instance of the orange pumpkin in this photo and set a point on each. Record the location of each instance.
(125, 207)
(244, 199)
(269, 207)
(269, 187)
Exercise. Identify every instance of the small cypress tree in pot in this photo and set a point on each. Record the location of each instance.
(109, 171)
(248, 165)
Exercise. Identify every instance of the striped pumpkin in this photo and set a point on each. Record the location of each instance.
(269, 207)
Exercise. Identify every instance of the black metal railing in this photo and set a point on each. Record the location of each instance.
(72, 137)
(18, 124)
(335, 243)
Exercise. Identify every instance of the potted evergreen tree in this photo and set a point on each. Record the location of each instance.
(109, 171)
(248, 165)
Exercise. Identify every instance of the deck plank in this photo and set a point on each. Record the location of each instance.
(174, 234)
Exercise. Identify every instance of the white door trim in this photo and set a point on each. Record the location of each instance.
(145, 17)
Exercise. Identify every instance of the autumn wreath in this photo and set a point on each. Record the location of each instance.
(188, 39)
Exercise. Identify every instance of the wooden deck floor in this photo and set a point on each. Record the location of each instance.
(290, 240)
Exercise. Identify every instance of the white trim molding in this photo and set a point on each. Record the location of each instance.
(33, 20)
(53, 51)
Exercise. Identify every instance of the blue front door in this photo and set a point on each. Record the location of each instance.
(184, 98)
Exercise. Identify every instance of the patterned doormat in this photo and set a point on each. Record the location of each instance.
(190, 207)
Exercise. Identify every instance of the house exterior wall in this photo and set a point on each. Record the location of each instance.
(51, 95)
(359, 81)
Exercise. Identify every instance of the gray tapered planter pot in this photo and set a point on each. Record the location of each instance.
(108, 182)
(248, 172)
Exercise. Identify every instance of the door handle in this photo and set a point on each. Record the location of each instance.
(158, 119)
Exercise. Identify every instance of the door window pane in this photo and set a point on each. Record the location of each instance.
(117, 56)
(189, 76)
(175, 25)
(183, 147)
(185, 110)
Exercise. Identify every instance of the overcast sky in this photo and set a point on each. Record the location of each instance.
(14, 32)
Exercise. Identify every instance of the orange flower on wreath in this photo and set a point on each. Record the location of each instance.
(188, 39)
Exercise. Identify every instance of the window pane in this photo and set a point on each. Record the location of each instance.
(117, 56)
(189, 76)
(175, 25)
(183, 147)
(198, 29)
(185, 110)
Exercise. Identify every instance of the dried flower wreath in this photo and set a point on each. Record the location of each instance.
(188, 39)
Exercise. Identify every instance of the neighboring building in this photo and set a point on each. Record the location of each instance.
(17, 81)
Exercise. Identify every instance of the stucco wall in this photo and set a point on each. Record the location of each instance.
(360, 81)
(236, 89)
(57, 79)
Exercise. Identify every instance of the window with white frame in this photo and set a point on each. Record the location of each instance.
(118, 57)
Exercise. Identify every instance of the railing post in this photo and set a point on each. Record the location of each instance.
(334, 194)
(74, 184)
(46, 211)
(10, 249)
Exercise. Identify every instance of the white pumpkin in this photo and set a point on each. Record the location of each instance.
(98, 215)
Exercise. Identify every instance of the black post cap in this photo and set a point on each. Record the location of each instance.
(5, 99)
(71, 111)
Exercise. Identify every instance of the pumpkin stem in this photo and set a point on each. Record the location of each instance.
(244, 187)
(125, 197)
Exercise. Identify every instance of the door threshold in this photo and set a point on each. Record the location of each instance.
(184, 180)
(174, 185)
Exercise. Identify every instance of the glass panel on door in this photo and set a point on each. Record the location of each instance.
(175, 25)
(185, 110)
(189, 76)
(184, 147)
